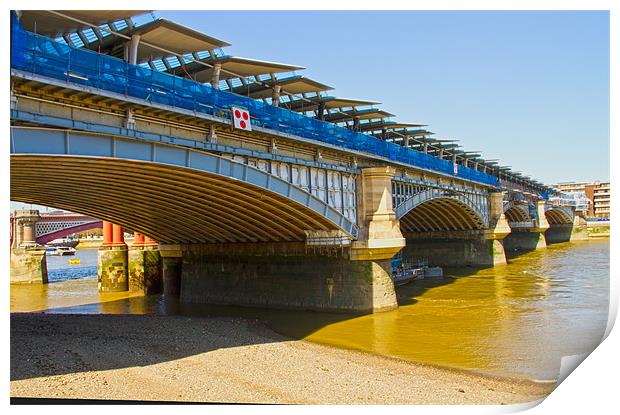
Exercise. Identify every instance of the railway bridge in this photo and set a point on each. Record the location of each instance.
(242, 185)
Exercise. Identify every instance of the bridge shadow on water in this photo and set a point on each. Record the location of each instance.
(142, 331)
(407, 294)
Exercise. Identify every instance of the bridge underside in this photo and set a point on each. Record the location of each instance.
(168, 203)
(440, 214)
(557, 216)
(521, 238)
(563, 227)
(517, 214)
(447, 232)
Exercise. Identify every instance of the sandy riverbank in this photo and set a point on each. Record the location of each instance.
(174, 358)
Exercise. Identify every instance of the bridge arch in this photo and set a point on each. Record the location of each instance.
(171, 193)
(438, 210)
(516, 212)
(559, 215)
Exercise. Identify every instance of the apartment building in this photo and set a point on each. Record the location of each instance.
(597, 192)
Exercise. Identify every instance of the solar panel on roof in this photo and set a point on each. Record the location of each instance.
(103, 32)
(159, 65)
(173, 62)
(120, 25)
(142, 19)
(90, 35)
(236, 82)
(75, 39)
(203, 54)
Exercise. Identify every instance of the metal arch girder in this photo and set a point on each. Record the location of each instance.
(479, 207)
(46, 141)
(566, 211)
(57, 226)
(83, 226)
(523, 208)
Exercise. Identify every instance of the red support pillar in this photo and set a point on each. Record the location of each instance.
(149, 242)
(118, 237)
(107, 233)
(138, 239)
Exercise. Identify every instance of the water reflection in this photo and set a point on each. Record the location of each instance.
(512, 320)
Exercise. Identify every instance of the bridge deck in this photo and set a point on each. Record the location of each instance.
(43, 56)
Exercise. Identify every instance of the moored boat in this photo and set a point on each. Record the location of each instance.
(403, 274)
(59, 250)
(64, 242)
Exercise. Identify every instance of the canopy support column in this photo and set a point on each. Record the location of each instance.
(275, 96)
(132, 57)
(215, 77)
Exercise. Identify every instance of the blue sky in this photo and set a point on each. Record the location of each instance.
(528, 88)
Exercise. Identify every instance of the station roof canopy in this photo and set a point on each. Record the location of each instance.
(367, 114)
(387, 125)
(163, 33)
(312, 104)
(444, 146)
(399, 135)
(45, 23)
(234, 67)
(293, 85)
(173, 37)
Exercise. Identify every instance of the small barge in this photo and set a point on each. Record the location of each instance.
(405, 273)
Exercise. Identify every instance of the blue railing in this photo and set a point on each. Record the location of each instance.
(46, 57)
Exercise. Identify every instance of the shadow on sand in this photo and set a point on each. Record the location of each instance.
(141, 331)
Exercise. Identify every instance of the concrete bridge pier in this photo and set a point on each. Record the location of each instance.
(144, 265)
(579, 230)
(379, 236)
(283, 275)
(478, 249)
(498, 229)
(529, 239)
(171, 269)
(568, 232)
(524, 241)
(27, 263)
(541, 225)
(113, 275)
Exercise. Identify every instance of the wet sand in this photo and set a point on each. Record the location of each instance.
(176, 358)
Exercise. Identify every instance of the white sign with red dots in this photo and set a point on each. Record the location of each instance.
(241, 118)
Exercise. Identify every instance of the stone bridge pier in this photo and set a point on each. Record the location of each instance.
(121, 267)
(28, 265)
(528, 238)
(566, 229)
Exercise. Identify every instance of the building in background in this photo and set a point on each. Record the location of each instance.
(598, 193)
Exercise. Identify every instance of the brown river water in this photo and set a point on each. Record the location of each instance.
(516, 320)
